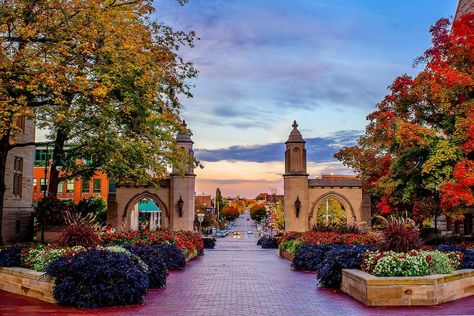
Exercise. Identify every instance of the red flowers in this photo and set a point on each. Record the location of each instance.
(330, 238)
(188, 241)
(383, 206)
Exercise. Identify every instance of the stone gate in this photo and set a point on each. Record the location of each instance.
(304, 196)
(174, 197)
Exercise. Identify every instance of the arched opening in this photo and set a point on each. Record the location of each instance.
(331, 212)
(146, 214)
(331, 208)
(145, 211)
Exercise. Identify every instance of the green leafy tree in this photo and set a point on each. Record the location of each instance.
(101, 76)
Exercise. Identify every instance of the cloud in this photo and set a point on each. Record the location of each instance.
(319, 149)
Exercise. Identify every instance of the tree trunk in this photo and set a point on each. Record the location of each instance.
(57, 155)
(4, 149)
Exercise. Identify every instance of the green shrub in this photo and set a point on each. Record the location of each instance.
(439, 263)
(292, 246)
(39, 257)
(95, 206)
(413, 263)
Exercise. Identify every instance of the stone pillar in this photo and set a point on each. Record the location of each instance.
(296, 183)
(183, 186)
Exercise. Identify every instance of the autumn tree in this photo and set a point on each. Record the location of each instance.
(278, 217)
(230, 212)
(258, 211)
(101, 76)
(416, 156)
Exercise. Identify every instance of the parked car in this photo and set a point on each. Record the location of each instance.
(249, 232)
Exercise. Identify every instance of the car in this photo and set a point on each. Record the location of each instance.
(235, 233)
(248, 219)
(249, 232)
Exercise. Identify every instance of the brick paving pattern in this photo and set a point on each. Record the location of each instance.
(237, 278)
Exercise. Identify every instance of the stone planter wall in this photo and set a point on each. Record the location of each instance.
(27, 282)
(407, 291)
(285, 254)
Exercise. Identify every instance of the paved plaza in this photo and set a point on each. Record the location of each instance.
(237, 278)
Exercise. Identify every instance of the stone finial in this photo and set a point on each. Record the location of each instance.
(295, 135)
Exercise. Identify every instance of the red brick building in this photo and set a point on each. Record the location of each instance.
(74, 189)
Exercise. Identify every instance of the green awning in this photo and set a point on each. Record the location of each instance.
(148, 206)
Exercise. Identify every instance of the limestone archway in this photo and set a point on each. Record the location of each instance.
(129, 214)
(346, 204)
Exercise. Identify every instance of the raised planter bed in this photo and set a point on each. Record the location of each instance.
(285, 254)
(407, 291)
(27, 282)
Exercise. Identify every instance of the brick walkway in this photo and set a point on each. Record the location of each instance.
(237, 278)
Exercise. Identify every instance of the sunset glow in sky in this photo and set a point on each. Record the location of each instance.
(264, 63)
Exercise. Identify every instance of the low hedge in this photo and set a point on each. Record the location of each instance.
(96, 278)
(268, 242)
(309, 257)
(10, 257)
(153, 258)
(172, 256)
(336, 258)
(209, 242)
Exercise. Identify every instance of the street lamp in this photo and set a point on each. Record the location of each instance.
(297, 206)
(200, 220)
(180, 206)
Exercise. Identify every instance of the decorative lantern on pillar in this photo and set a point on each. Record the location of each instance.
(297, 206)
(180, 206)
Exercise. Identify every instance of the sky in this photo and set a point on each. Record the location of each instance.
(264, 63)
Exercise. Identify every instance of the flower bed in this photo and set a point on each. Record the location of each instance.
(189, 242)
(293, 241)
(407, 291)
(116, 273)
(412, 263)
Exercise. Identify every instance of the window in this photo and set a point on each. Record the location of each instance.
(44, 184)
(35, 183)
(61, 187)
(70, 186)
(97, 186)
(85, 186)
(17, 176)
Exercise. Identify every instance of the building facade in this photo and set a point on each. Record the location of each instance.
(303, 196)
(17, 211)
(74, 189)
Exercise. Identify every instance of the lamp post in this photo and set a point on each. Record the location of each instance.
(200, 220)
